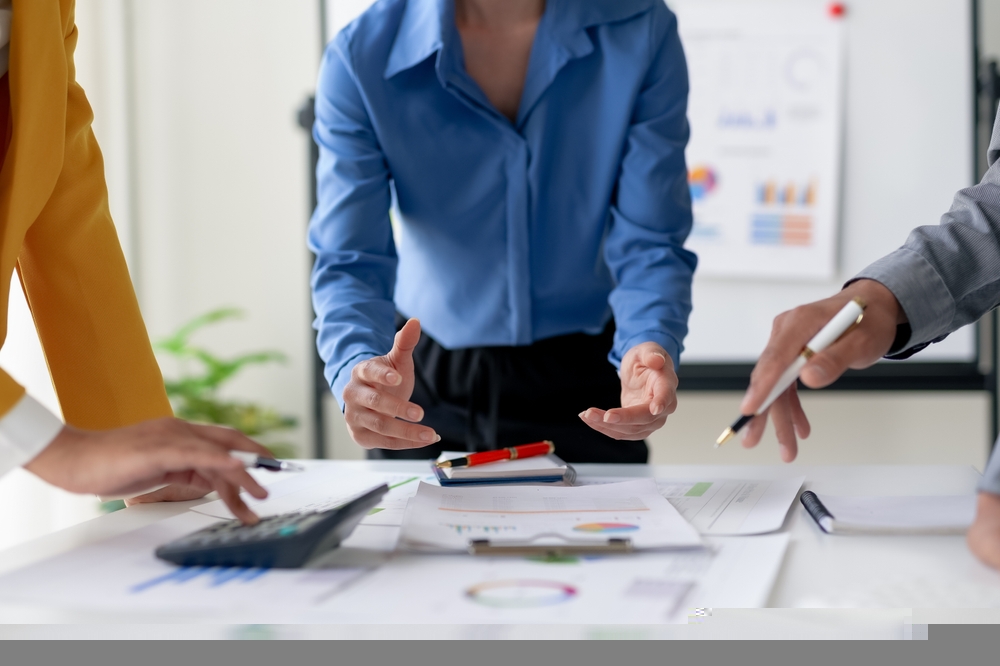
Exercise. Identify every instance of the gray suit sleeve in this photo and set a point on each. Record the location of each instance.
(947, 276)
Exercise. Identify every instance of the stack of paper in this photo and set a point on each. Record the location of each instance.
(446, 519)
(891, 515)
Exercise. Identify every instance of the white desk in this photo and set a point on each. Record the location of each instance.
(819, 571)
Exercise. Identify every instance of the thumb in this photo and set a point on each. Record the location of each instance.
(654, 359)
(406, 340)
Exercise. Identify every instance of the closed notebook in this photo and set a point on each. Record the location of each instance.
(537, 469)
(927, 514)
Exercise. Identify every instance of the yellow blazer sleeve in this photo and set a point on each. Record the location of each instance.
(78, 288)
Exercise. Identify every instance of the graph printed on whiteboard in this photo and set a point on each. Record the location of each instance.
(764, 157)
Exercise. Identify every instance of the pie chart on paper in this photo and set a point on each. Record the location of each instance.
(595, 528)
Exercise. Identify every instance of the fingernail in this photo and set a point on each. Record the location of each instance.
(656, 409)
(819, 372)
(582, 414)
(429, 437)
(413, 414)
(611, 417)
(392, 377)
(437, 439)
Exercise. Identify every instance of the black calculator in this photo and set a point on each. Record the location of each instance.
(282, 542)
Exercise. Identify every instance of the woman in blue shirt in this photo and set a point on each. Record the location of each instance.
(534, 153)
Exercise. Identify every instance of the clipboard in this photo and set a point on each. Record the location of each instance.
(528, 547)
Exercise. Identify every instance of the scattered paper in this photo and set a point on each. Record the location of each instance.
(319, 492)
(446, 519)
(642, 588)
(927, 514)
(724, 507)
(122, 573)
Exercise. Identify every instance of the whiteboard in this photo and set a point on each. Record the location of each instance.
(764, 160)
(907, 148)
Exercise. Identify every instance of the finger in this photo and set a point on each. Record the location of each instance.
(366, 419)
(631, 433)
(373, 440)
(790, 332)
(663, 393)
(229, 438)
(405, 341)
(626, 430)
(595, 419)
(241, 479)
(753, 431)
(193, 454)
(383, 403)
(802, 427)
(377, 371)
(635, 414)
(784, 428)
(230, 494)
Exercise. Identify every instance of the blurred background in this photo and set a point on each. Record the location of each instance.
(199, 110)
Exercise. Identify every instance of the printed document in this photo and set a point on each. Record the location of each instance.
(318, 490)
(446, 519)
(724, 507)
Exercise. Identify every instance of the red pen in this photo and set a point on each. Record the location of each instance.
(510, 453)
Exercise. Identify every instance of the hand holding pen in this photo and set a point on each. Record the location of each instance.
(791, 331)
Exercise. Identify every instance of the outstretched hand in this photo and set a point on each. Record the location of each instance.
(649, 395)
(377, 409)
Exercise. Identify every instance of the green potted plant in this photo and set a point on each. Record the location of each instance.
(195, 393)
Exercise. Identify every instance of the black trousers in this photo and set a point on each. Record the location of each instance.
(491, 397)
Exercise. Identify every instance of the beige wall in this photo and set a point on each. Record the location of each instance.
(848, 428)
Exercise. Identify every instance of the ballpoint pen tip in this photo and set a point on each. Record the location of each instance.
(726, 435)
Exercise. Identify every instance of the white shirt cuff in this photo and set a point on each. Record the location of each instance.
(25, 430)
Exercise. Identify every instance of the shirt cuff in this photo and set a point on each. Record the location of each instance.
(921, 292)
(25, 430)
(990, 483)
(343, 377)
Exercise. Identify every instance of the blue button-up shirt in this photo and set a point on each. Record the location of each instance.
(506, 233)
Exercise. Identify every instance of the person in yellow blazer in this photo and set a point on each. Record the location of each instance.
(57, 236)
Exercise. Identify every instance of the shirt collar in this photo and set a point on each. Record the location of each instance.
(422, 27)
(419, 35)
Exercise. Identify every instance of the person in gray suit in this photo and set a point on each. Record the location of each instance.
(941, 279)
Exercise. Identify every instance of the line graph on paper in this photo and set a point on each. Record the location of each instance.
(482, 530)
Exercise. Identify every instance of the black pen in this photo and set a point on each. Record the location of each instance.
(253, 460)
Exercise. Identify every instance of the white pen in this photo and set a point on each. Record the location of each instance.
(849, 316)
(253, 460)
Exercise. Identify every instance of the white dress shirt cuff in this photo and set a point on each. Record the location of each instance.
(25, 430)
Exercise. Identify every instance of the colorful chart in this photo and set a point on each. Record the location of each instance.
(702, 181)
(768, 229)
(520, 593)
(769, 193)
(605, 527)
